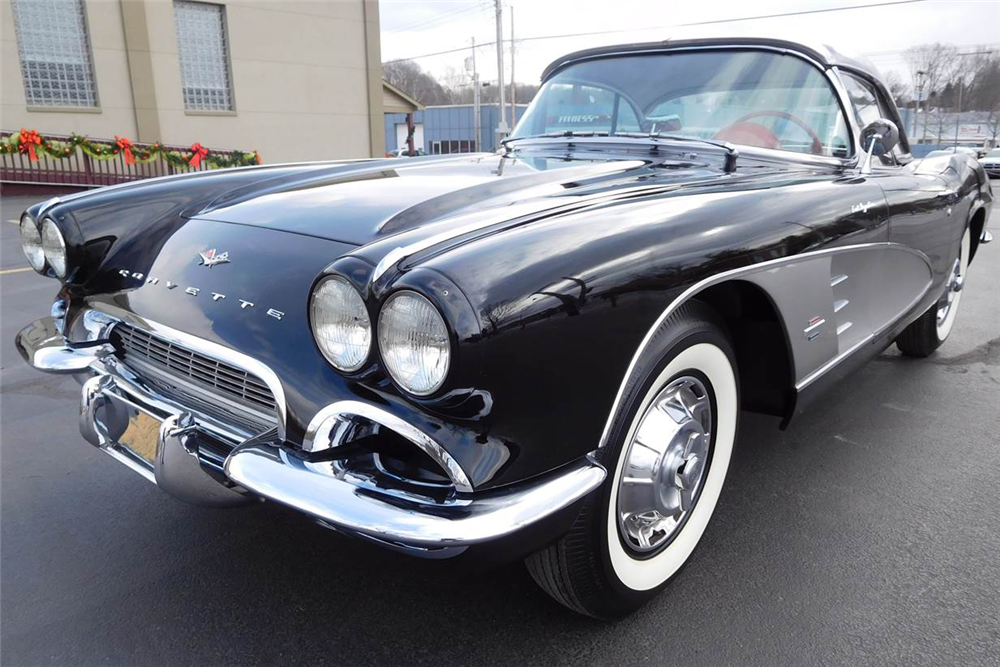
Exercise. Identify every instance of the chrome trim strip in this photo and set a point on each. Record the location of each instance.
(99, 328)
(315, 489)
(822, 370)
(818, 323)
(325, 429)
(734, 273)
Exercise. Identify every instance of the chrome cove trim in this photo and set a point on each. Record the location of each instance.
(328, 426)
(745, 271)
(99, 321)
(315, 489)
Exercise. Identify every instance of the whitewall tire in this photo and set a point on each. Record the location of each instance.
(668, 452)
(931, 329)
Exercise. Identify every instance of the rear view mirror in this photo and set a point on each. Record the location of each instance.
(878, 138)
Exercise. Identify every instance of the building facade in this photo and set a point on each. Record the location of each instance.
(440, 130)
(293, 80)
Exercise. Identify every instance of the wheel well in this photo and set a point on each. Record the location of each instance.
(763, 354)
(976, 225)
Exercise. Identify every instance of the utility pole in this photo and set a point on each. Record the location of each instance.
(513, 86)
(502, 127)
(958, 116)
(476, 108)
(916, 108)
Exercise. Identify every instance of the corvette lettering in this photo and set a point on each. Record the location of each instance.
(191, 290)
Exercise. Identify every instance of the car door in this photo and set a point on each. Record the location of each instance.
(917, 205)
(920, 203)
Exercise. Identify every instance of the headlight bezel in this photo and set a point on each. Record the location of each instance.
(29, 223)
(345, 369)
(449, 340)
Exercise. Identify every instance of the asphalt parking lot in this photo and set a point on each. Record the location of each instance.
(867, 533)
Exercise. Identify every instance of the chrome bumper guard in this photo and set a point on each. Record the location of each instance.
(113, 398)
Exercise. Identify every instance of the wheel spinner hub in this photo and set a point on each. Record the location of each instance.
(665, 465)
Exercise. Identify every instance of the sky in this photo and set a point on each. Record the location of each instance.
(413, 28)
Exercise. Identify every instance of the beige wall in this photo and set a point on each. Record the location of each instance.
(302, 74)
(114, 92)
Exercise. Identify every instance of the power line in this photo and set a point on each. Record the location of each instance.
(470, 7)
(675, 25)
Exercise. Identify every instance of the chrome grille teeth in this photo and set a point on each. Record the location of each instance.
(216, 375)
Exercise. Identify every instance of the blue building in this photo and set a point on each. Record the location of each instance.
(446, 129)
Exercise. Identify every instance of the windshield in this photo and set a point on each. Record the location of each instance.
(994, 153)
(753, 98)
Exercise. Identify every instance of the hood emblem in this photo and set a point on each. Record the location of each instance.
(210, 259)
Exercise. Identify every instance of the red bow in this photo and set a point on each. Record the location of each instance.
(200, 152)
(126, 146)
(27, 140)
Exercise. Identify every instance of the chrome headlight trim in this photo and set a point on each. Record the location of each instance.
(401, 348)
(54, 245)
(31, 243)
(347, 351)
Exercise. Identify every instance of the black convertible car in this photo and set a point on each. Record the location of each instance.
(538, 353)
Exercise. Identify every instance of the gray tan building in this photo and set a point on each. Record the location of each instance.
(294, 80)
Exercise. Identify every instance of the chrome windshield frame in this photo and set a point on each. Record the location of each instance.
(829, 72)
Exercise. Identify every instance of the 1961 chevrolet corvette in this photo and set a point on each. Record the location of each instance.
(538, 353)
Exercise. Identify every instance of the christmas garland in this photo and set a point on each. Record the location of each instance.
(34, 144)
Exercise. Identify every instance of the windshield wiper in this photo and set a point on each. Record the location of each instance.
(556, 135)
(731, 151)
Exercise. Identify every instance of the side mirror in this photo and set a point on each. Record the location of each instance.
(878, 138)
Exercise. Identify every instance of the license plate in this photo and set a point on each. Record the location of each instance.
(141, 435)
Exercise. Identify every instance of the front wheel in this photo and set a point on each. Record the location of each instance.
(667, 455)
(927, 333)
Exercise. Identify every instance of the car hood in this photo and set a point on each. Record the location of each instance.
(376, 200)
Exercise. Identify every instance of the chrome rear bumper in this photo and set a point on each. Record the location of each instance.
(187, 465)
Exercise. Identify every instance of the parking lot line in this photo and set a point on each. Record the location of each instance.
(5, 271)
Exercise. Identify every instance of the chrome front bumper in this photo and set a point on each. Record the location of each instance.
(186, 465)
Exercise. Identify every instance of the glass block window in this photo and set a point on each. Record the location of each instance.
(204, 56)
(55, 53)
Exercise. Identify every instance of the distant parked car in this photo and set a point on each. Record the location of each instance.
(405, 152)
(991, 163)
(954, 149)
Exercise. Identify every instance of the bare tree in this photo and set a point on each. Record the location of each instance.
(894, 83)
(937, 122)
(993, 124)
(409, 77)
(931, 64)
(982, 88)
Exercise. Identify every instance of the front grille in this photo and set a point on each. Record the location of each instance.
(174, 362)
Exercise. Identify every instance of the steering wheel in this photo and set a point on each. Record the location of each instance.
(744, 132)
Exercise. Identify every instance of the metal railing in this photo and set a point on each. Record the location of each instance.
(81, 170)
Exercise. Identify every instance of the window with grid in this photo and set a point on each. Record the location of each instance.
(55, 53)
(204, 56)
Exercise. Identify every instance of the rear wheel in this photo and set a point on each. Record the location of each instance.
(667, 456)
(927, 333)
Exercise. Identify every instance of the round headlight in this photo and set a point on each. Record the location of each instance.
(54, 246)
(414, 342)
(31, 243)
(340, 324)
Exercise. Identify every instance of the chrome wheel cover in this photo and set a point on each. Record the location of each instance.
(665, 464)
(956, 281)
